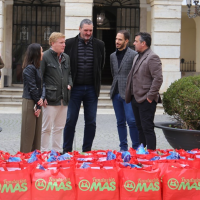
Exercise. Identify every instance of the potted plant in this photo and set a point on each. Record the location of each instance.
(182, 102)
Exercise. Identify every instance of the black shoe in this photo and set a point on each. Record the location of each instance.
(86, 150)
(66, 151)
(0, 129)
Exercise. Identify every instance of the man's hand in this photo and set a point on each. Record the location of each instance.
(149, 100)
(45, 103)
(69, 87)
(40, 102)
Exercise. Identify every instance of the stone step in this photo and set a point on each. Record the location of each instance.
(10, 98)
(11, 91)
(18, 98)
(18, 91)
(10, 104)
(104, 93)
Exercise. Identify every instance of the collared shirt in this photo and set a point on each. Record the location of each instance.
(59, 58)
(136, 64)
(140, 56)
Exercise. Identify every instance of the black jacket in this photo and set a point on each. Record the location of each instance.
(85, 70)
(99, 59)
(33, 84)
(55, 79)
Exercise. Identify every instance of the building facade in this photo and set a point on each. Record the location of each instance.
(174, 35)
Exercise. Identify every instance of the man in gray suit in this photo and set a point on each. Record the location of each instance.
(143, 85)
(120, 63)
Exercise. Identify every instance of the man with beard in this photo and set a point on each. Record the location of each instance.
(142, 89)
(121, 62)
(87, 56)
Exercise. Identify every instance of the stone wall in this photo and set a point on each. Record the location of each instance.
(75, 12)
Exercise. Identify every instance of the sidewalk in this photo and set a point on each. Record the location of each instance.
(106, 132)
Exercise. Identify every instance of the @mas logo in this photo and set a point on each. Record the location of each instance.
(142, 185)
(84, 185)
(173, 184)
(40, 184)
(129, 186)
(53, 184)
(98, 184)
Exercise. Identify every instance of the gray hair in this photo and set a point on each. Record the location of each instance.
(85, 21)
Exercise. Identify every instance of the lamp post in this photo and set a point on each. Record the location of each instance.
(197, 8)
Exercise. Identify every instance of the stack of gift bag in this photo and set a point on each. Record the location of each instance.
(101, 175)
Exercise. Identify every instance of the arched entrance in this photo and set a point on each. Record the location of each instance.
(110, 16)
(33, 22)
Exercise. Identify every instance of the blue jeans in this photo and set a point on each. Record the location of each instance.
(124, 113)
(87, 95)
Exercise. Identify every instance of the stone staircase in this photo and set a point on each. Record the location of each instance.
(11, 98)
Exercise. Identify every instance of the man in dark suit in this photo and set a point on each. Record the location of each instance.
(143, 84)
(121, 62)
(87, 55)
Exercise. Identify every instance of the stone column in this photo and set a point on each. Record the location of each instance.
(8, 40)
(143, 15)
(2, 19)
(166, 37)
(197, 21)
(62, 16)
(75, 12)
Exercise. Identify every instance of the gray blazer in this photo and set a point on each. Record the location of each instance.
(146, 78)
(120, 74)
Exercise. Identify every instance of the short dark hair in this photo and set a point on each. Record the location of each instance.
(32, 55)
(125, 33)
(85, 21)
(144, 37)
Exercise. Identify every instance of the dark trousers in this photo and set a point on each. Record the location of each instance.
(144, 115)
(124, 114)
(87, 95)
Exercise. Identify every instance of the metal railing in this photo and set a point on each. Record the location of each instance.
(188, 66)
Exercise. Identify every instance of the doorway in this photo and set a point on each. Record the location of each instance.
(108, 20)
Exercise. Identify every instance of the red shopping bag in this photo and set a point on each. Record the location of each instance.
(139, 184)
(15, 184)
(181, 183)
(97, 184)
(53, 184)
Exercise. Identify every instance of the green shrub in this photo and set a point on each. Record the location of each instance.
(182, 101)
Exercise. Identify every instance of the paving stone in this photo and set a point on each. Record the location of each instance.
(106, 133)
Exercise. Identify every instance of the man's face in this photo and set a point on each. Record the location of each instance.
(59, 45)
(86, 31)
(139, 46)
(120, 41)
